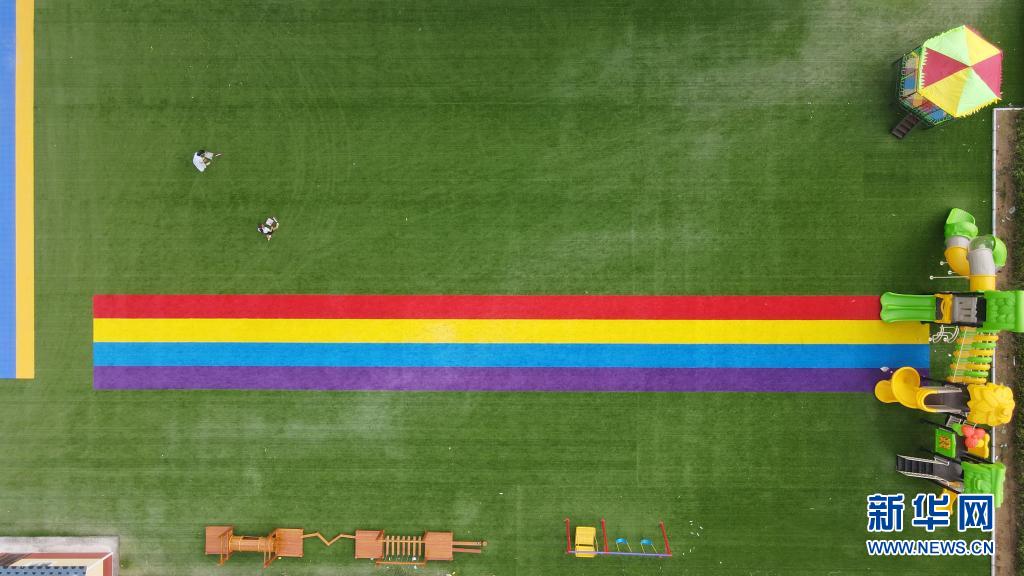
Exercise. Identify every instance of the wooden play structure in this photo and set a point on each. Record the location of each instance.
(411, 550)
(587, 546)
(281, 543)
(383, 549)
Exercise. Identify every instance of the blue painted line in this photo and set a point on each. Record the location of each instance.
(511, 355)
(8, 304)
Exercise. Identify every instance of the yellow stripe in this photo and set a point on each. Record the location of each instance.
(25, 357)
(511, 331)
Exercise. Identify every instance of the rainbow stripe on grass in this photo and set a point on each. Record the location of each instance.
(551, 343)
(17, 259)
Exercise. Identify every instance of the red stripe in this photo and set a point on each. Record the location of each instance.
(493, 307)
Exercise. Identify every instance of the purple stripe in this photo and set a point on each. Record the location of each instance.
(489, 379)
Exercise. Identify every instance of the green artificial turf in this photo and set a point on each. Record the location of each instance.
(536, 147)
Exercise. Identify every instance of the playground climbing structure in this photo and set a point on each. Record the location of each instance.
(383, 549)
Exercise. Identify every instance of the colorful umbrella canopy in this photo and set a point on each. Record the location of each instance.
(961, 72)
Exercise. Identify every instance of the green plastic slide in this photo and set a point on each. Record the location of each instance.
(908, 307)
(960, 223)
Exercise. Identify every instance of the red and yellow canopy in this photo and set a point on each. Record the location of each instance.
(961, 71)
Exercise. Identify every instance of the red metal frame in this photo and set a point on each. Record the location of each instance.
(604, 535)
(664, 534)
(568, 539)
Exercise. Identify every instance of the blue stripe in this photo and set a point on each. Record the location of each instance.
(8, 316)
(511, 355)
